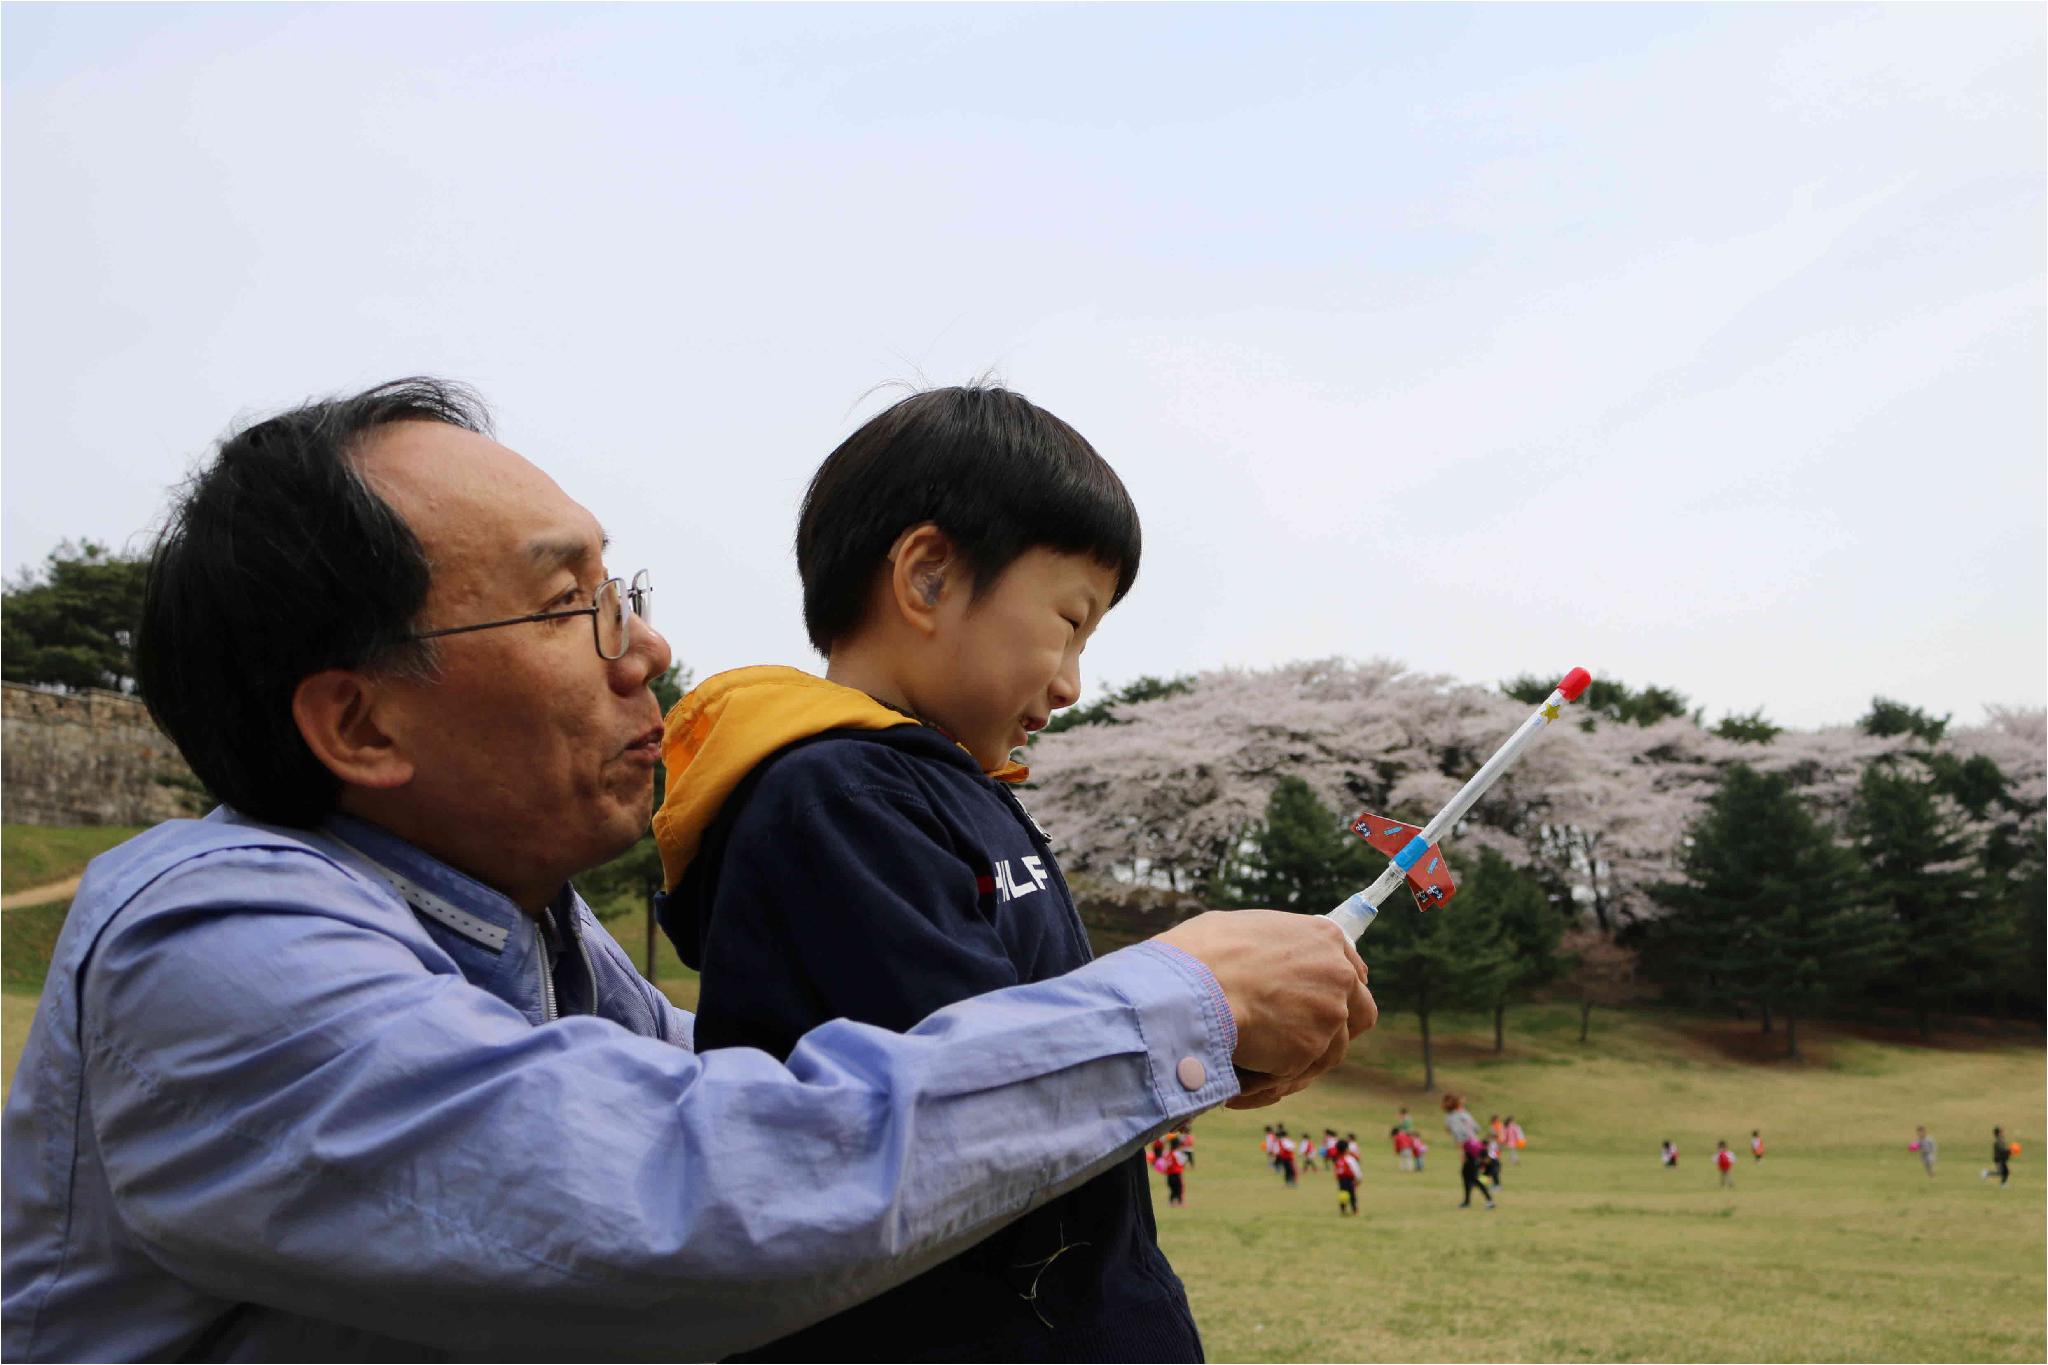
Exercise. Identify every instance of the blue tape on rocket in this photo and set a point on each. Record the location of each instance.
(1410, 852)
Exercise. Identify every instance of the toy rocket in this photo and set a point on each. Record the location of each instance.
(1416, 858)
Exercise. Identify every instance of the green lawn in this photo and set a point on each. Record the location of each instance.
(35, 855)
(1836, 1247)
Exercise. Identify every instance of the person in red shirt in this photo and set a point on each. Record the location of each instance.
(1173, 1164)
(1345, 1165)
(1724, 1162)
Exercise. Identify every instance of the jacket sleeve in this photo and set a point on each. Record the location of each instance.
(295, 1108)
(851, 902)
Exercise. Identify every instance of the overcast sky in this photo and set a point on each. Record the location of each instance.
(1699, 346)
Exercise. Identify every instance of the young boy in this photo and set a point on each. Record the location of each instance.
(1345, 1164)
(1924, 1144)
(1174, 1166)
(849, 846)
(1724, 1162)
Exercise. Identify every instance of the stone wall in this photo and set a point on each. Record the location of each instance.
(87, 758)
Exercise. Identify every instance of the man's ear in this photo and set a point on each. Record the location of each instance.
(923, 567)
(338, 714)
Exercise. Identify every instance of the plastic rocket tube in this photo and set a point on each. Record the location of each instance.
(1358, 912)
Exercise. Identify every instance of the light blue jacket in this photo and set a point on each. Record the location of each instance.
(305, 1096)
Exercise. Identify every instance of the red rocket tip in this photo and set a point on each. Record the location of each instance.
(1574, 683)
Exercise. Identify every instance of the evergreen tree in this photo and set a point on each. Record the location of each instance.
(1887, 717)
(1920, 869)
(1443, 959)
(1770, 908)
(1301, 857)
(72, 624)
(1530, 927)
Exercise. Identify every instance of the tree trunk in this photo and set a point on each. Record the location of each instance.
(1792, 1036)
(1585, 1015)
(1500, 1011)
(1767, 1016)
(1428, 1057)
(652, 926)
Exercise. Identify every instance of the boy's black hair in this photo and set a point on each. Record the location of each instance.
(997, 473)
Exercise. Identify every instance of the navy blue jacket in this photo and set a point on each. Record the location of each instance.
(878, 875)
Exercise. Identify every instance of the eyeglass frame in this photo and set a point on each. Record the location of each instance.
(632, 606)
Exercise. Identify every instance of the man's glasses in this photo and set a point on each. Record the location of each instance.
(611, 614)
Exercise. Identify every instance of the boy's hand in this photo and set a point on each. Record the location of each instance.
(1296, 987)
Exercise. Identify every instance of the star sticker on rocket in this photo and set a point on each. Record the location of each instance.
(1550, 710)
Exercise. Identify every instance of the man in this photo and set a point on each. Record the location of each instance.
(348, 1070)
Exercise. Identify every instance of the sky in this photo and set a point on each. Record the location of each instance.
(1698, 345)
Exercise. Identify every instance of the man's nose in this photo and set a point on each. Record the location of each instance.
(647, 657)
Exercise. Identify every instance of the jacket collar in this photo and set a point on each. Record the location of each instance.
(454, 900)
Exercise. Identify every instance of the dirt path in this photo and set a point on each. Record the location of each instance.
(38, 895)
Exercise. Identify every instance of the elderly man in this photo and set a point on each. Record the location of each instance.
(347, 1069)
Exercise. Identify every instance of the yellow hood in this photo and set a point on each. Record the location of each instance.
(716, 735)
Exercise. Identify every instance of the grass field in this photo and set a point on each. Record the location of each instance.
(1836, 1247)
(34, 855)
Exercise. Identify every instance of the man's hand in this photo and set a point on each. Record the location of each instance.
(1296, 987)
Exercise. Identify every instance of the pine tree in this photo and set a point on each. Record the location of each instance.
(1920, 868)
(1771, 908)
(1427, 962)
(1530, 927)
(1301, 857)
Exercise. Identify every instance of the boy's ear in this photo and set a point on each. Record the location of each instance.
(340, 716)
(923, 564)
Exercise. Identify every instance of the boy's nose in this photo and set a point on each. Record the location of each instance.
(1066, 687)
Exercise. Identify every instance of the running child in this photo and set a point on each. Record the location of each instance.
(957, 553)
(1923, 1143)
(1174, 1166)
(1669, 1156)
(1516, 1141)
(1283, 1154)
(1756, 1143)
(1724, 1162)
(1345, 1165)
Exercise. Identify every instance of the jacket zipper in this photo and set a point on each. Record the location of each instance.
(547, 978)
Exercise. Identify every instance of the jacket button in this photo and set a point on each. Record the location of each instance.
(1192, 1073)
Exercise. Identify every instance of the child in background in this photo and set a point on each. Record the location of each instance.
(1174, 1166)
(1345, 1164)
(1283, 1154)
(1669, 1156)
(1923, 1143)
(1187, 1142)
(1272, 1148)
(957, 552)
(1516, 1141)
(1419, 1147)
(1724, 1162)
(2001, 1158)
(1404, 1150)
(1756, 1143)
(1305, 1152)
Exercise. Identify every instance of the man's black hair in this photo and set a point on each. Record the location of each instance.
(994, 471)
(277, 562)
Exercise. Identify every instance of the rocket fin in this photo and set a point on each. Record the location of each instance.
(1388, 836)
(1430, 879)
